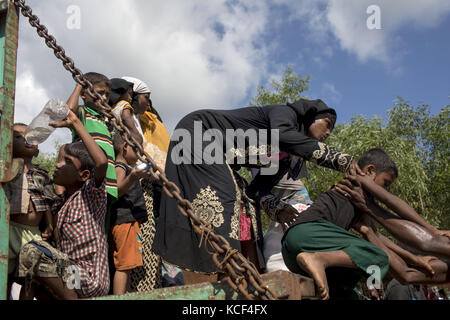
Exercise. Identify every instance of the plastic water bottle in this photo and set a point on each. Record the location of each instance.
(39, 129)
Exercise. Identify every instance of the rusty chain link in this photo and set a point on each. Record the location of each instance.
(241, 273)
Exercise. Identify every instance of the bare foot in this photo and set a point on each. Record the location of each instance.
(310, 263)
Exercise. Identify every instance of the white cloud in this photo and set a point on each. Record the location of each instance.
(30, 99)
(193, 54)
(330, 94)
(349, 25)
(331, 22)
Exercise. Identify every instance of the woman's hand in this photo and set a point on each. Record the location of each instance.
(351, 188)
(354, 169)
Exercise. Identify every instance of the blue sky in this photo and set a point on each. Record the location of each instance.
(198, 54)
(419, 71)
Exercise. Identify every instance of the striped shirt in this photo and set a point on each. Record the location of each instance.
(95, 124)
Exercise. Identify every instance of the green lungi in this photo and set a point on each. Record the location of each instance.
(322, 236)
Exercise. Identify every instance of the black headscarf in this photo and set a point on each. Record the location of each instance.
(307, 112)
(118, 88)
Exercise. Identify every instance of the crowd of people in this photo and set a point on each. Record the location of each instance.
(101, 225)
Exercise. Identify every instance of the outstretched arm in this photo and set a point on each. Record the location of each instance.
(394, 203)
(124, 182)
(294, 142)
(406, 231)
(398, 266)
(73, 99)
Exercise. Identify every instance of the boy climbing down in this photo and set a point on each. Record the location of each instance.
(403, 264)
(317, 241)
(318, 244)
(407, 226)
(79, 265)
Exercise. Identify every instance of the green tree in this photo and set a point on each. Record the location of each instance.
(48, 160)
(288, 89)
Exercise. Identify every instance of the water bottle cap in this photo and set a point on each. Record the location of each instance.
(142, 166)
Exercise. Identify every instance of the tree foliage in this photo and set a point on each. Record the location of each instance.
(288, 89)
(48, 160)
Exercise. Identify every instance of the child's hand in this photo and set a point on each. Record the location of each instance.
(66, 123)
(139, 173)
(47, 234)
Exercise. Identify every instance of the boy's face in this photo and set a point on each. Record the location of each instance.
(100, 88)
(129, 155)
(68, 171)
(21, 149)
(383, 179)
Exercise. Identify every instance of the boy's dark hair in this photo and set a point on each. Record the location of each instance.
(380, 159)
(20, 124)
(117, 141)
(94, 78)
(79, 151)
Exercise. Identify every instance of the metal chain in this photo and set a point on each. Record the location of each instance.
(242, 275)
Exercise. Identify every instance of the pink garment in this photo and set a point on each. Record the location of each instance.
(245, 227)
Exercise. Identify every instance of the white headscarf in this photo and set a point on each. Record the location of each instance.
(138, 85)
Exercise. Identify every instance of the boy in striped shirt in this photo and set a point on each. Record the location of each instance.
(96, 125)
